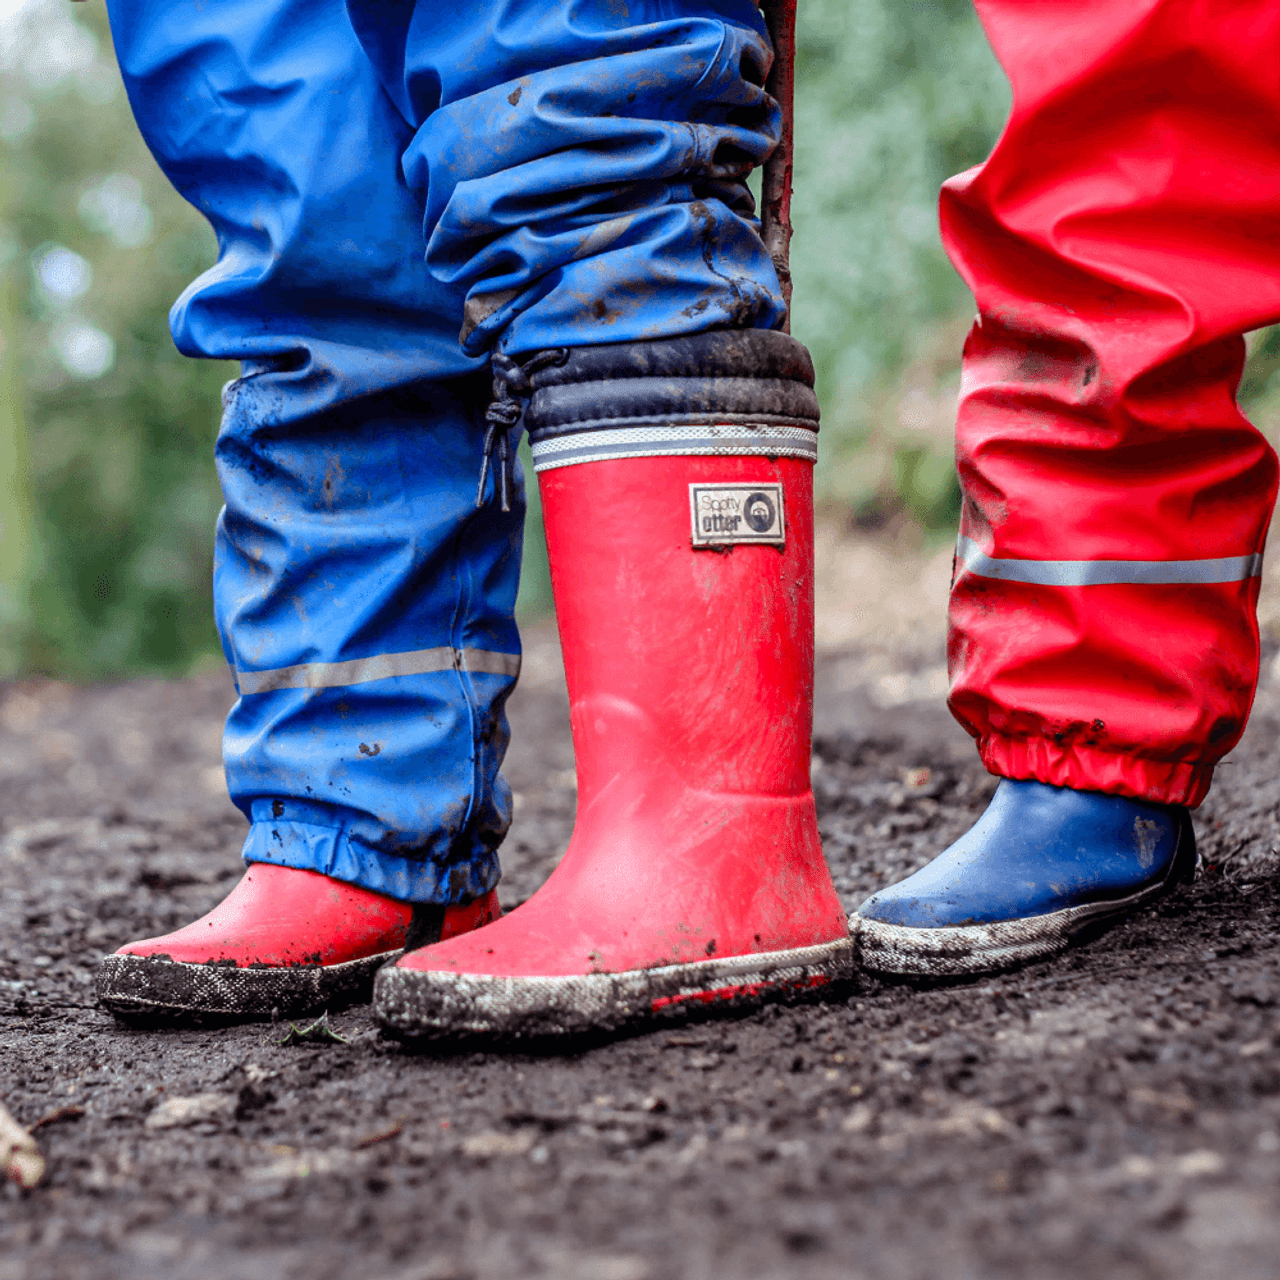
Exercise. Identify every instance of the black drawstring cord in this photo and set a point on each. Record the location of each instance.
(501, 415)
(511, 388)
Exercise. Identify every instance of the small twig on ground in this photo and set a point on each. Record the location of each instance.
(382, 1135)
(70, 1112)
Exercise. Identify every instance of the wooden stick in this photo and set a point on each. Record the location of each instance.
(775, 213)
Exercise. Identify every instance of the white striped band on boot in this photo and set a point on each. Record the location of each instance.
(712, 440)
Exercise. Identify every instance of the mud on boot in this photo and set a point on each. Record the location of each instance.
(1040, 866)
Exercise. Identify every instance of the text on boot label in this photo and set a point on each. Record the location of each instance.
(726, 514)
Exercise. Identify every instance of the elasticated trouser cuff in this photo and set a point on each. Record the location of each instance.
(1085, 768)
(337, 851)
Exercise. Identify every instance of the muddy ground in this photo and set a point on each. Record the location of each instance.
(1114, 1113)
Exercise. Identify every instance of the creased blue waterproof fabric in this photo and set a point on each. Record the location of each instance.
(580, 162)
(526, 173)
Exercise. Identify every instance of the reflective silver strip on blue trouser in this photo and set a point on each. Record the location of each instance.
(1093, 573)
(718, 440)
(337, 675)
(349, 450)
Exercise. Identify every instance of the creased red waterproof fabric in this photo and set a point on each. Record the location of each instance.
(1121, 237)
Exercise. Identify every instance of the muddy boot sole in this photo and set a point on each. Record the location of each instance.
(157, 991)
(423, 1005)
(978, 949)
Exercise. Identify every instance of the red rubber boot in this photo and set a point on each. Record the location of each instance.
(283, 942)
(695, 874)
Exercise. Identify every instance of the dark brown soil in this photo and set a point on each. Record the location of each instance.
(1115, 1113)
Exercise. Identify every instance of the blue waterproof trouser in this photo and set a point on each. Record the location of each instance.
(398, 189)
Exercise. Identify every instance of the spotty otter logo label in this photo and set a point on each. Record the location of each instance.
(729, 514)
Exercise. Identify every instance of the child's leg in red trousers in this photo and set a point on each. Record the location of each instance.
(1119, 240)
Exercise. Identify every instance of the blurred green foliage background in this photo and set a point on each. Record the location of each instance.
(107, 488)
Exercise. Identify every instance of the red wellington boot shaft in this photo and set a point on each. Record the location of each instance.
(685, 667)
(690, 680)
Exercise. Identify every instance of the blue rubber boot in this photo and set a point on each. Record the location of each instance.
(1042, 864)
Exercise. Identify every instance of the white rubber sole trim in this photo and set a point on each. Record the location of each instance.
(974, 949)
(154, 990)
(412, 1004)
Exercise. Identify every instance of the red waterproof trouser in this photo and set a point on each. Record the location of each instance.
(1122, 236)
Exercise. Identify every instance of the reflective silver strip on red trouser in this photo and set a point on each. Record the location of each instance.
(1096, 573)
